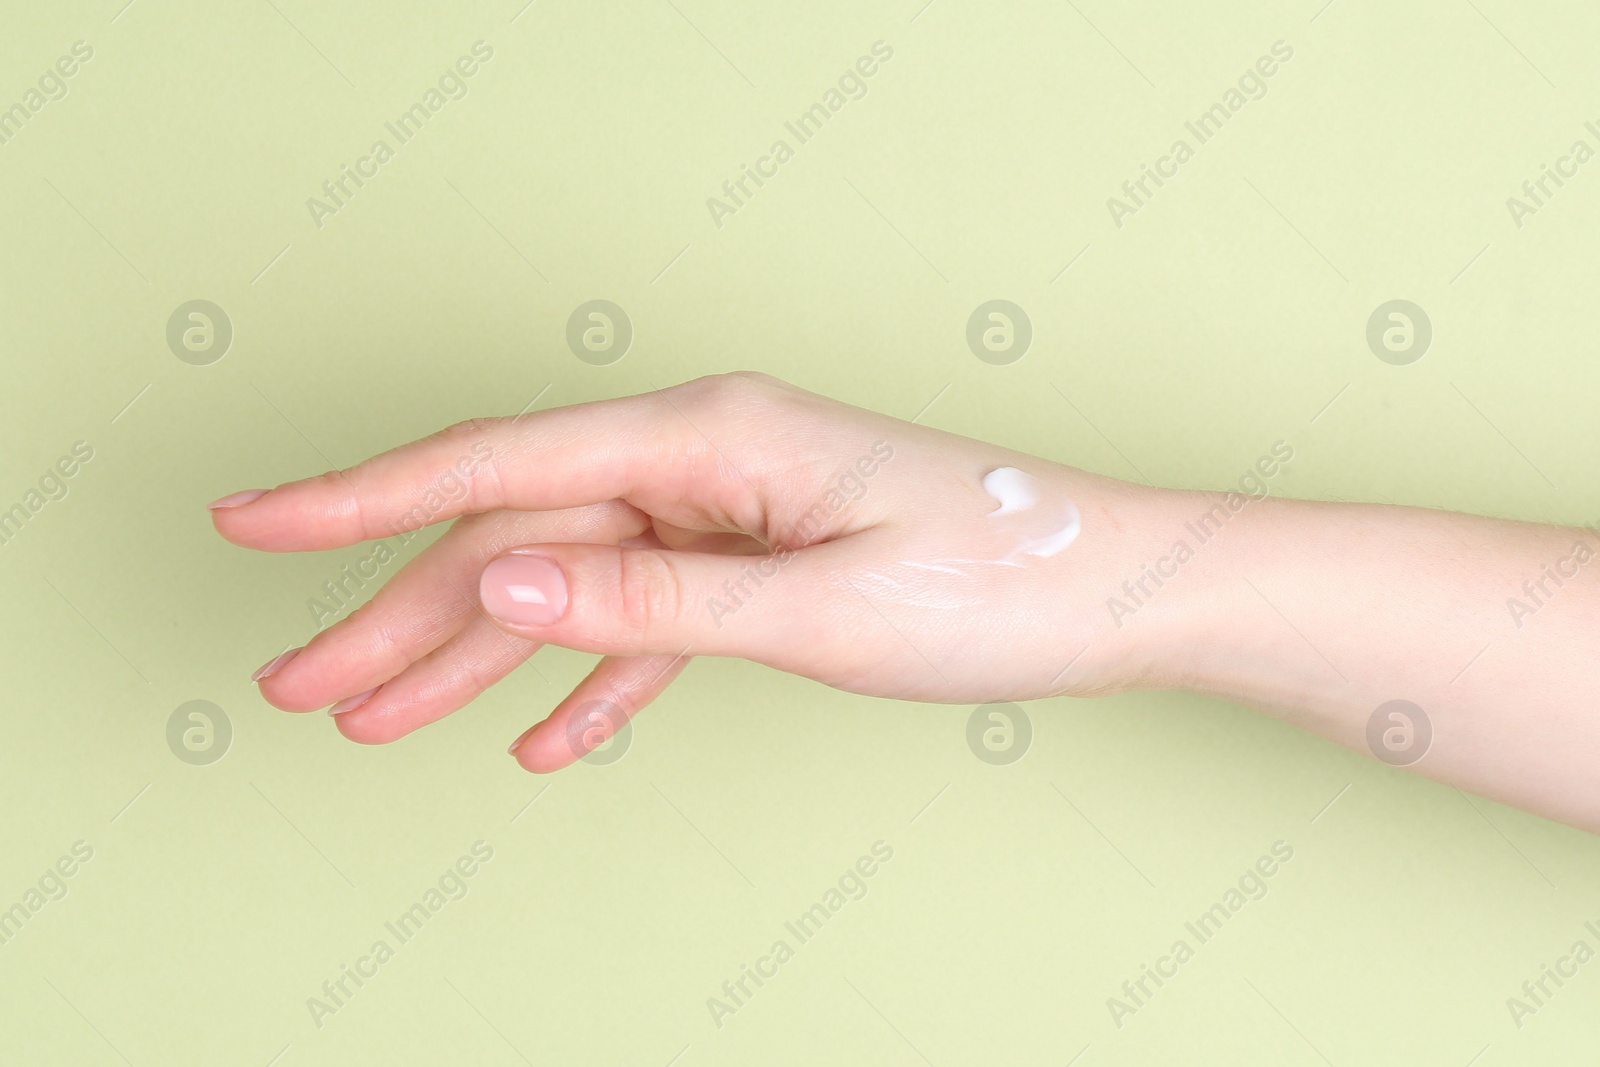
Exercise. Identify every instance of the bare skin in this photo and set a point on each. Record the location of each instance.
(737, 515)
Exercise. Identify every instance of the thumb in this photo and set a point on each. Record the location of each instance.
(645, 601)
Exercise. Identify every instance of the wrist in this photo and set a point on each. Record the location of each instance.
(1126, 612)
(1170, 602)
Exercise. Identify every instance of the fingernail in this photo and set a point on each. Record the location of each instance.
(274, 665)
(352, 703)
(522, 738)
(525, 590)
(234, 500)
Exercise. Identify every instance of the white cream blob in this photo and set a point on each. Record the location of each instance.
(1014, 490)
(1049, 528)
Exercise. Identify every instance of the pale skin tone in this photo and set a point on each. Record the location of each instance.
(660, 512)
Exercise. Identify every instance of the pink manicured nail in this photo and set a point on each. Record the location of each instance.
(234, 500)
(273, 665)
(524, 590)
(352, 703)
(522, 738)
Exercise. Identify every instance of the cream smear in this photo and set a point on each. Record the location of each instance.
(1024, 523)
(1042, 530)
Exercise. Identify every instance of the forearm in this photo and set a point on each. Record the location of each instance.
(1322, 613)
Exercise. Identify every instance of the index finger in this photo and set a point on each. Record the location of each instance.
(541, 461)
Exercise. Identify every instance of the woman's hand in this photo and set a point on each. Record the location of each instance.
(733, 515)
(739, 516)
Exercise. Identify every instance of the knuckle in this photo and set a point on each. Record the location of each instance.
(485, 484)
(732, 391)
(469, 428)
(649, 590)
(344, 486)
(337, 479)
(758, 377)
(474, 470)
(390, 645)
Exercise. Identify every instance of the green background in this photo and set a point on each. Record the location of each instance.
(1229, 312)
